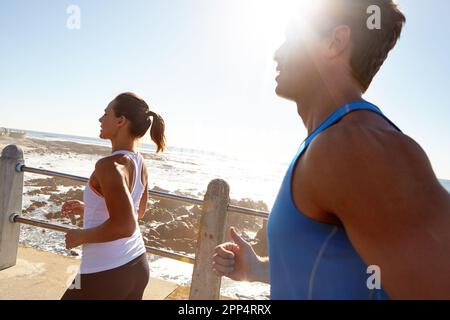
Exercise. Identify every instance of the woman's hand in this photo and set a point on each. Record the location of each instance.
(72, 207)
(74, 238)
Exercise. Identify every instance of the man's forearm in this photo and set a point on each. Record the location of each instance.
(261, 270)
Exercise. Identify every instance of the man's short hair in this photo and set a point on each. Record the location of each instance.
(371, 45)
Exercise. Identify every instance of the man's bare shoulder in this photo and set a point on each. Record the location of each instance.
(358, 160)
(380, 184)
(350, 146)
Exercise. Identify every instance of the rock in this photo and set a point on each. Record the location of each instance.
(49, 189)
(196, 210)
(181, 229)
(184, 193)
(35, 205)
(53, 182)
(41, 182)
(182, 211)
(168, 204)
(153, 242)
(159, 215)
(50, 215)
(246, 237)
(177, 230)
(195, 216)
(181, 245)
(153, 233)
(65, 220)
(72, 194)
(243, 222)
(74, 220)
(261, 249)
(261, 241)
(158, 189)
(163, 231)
(74, 253)
(34, 192)
(250, 204)
(75, 194)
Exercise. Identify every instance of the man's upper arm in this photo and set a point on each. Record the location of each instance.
(393, 208)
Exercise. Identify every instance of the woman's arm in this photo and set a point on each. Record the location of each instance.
(143, 203)
(144, 199)
(121, 222)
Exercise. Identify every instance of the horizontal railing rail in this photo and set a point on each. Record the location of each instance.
(50, 226)
(156, 194)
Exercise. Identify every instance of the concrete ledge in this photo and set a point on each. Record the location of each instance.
(41, 275)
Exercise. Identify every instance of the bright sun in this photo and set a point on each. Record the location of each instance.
(269, 18)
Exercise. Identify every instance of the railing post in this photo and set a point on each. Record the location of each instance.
(205, 283)
(11, 190)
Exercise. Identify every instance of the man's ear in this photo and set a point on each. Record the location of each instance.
(339, 41)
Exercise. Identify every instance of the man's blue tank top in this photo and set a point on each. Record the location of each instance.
(309, 259)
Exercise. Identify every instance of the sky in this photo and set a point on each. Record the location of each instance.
(206, 66)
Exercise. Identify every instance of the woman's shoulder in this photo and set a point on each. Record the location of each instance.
(113, 162)
(115, 158)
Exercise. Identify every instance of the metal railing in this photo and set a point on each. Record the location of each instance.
(205, 284)
(50, 226)
(155, 194)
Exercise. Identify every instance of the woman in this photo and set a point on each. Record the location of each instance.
(114, 263)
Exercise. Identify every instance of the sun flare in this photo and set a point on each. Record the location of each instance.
(269, 18)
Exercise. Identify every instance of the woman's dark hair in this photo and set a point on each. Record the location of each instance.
(136, 110)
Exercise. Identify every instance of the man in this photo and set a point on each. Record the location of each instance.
(359, 192)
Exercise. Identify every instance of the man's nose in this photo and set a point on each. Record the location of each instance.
(277, 54)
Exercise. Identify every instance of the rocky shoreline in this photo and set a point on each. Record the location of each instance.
(166, 224)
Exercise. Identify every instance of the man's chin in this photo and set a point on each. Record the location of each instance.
(283, 94)
(278, 90)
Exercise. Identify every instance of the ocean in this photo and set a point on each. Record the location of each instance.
(178, 170)
(185, 169)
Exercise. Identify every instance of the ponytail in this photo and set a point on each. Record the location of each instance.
(138, 113)
(157, 131)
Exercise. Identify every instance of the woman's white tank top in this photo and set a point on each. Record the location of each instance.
(97, 257)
